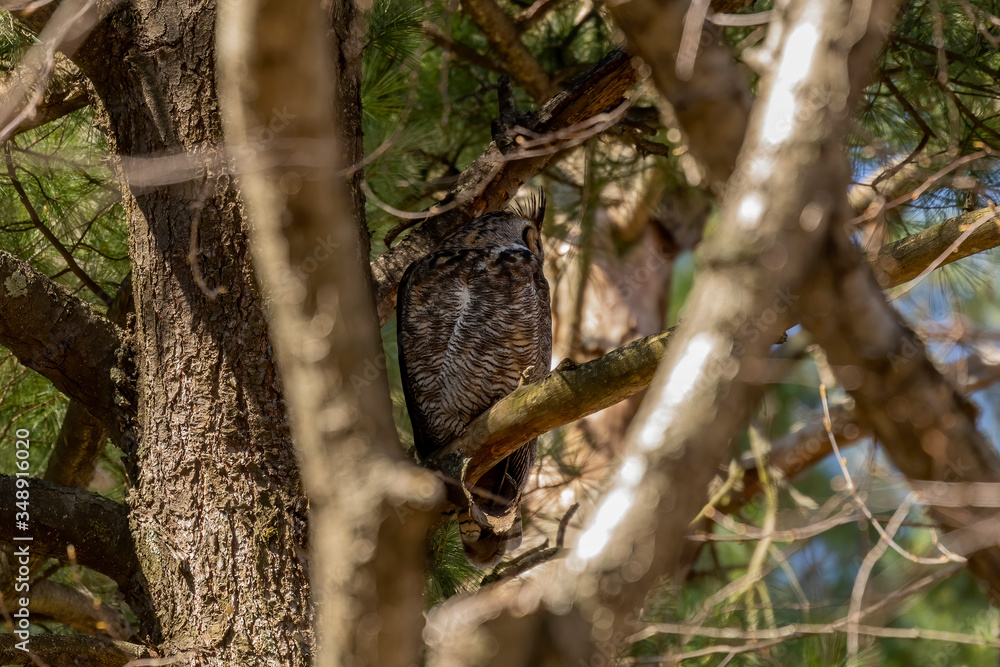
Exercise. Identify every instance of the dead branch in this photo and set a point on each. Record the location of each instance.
(543, 553)
(562, 396)
(494, 178)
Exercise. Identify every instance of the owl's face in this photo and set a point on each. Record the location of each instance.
(521, 226)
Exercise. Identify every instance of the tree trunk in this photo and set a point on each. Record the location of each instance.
(217, 507)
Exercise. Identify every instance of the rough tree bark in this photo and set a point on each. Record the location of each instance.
(217, 508)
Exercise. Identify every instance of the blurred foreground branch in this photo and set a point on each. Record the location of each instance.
(926, 426)
(569, 394)
(353, 469)
(694, 69)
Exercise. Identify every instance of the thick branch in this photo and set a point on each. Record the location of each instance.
(70, 651)
(493, 179)
(54, 109)
(754, 262)
(60, 516)
(60, 337)
(907, 258)
(77, 446)
(559, 398)
(505, 38)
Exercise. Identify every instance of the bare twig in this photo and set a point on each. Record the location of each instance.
(861, 580)
(915, 194)
(535, 13)
(533, 557)
(803, 629)
(852, 489)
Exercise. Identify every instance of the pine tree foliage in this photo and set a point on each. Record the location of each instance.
(930, 114)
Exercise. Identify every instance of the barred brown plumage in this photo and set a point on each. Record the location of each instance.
(473, 320)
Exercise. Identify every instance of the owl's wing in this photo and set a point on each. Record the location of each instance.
(411, 304)
(431, 304)
(471, 321)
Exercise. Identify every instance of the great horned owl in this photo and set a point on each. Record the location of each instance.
(474, 322)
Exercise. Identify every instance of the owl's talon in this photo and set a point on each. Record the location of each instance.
(525, 374)
(566, 364)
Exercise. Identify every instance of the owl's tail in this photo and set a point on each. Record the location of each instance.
(491, 524)
(483, 547)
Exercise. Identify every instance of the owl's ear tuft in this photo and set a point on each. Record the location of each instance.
(531, 208)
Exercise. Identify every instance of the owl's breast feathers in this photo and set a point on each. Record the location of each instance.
(471, 320)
